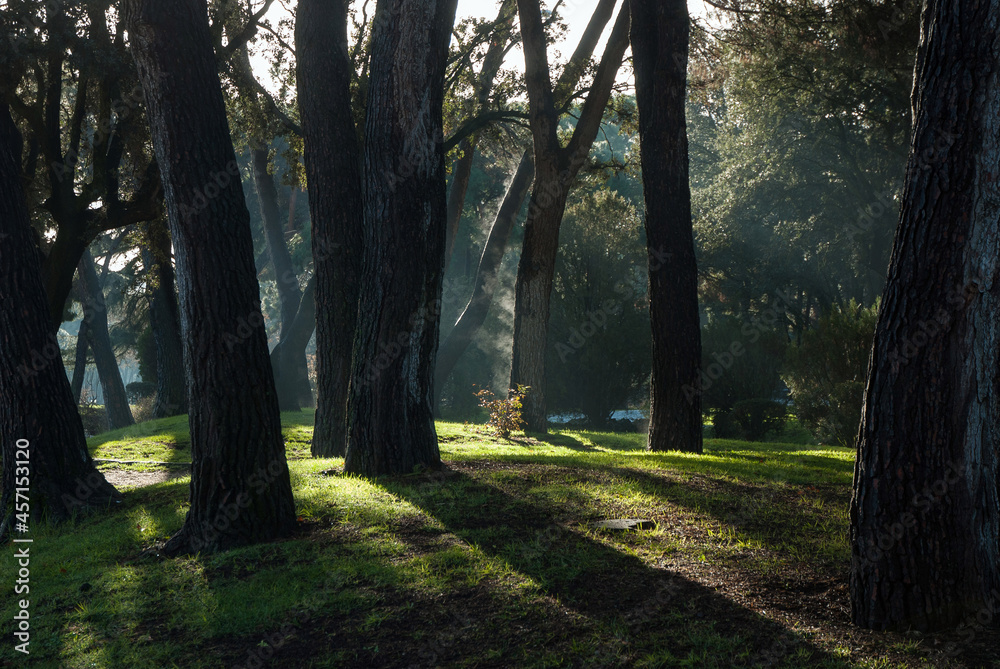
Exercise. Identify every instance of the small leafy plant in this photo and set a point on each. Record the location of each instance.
(505, 414)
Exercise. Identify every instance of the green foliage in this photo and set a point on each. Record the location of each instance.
(758, 417)
(505, 414)
(598, 355)
(826, 372)
(741, 360)
(138, 390)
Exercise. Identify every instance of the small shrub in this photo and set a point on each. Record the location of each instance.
(138, 390)
(725, 425)
(756, 417)
(505, 414)
(142, 409)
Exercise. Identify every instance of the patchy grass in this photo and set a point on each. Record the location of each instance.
(492, 562)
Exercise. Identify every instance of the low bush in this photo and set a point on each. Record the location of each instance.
(505, 414)
(759, 416)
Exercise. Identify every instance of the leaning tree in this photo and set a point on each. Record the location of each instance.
(925, 519)
(39, 424)
(240, 487)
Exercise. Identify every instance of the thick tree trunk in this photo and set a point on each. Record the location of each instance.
(240, 487)
(39, 424)
(555, 170)
(659, 55)
(487, 273)
(171, 393)
(96, 314)
(925, 519)
(392, 426)
(333, 170)
(288, 358)
(474, 315)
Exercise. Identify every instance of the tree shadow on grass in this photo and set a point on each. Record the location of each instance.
(659, 613)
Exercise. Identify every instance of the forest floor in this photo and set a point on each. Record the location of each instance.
(493, 562)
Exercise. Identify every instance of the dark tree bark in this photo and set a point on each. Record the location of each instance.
(487, 272)
(240, 487)
(392, 425)
(925, 519)
(333, 171)
(555, 170)
(171, 394)
(37, 412)
(288, 359)
(659, 56)
(95, 312)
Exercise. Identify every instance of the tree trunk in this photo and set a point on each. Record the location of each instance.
(80, 365)
(39, 423)
(96, 313)
(240, 487)
(171, 394)
(291, 375)
(925, 519)
(487, 274)
(477, 309)
(392, 426)
(288, 358)
(555, 170)
(285, 277)
(659, 55)
(333, 170)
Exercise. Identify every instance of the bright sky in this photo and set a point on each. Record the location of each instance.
(575, 13)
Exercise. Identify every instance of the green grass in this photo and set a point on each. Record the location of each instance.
(492, 563)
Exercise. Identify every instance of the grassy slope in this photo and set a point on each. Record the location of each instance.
(489, 564)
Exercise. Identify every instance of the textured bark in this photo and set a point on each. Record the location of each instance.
(555, 170)
(391, 425)
(240, 487)
(291, 373)
(659, 56)
(333, 170)
(95, 312)
(288, 358)
(171, 394)
(925, 520)
(35, 399)
(487, 272)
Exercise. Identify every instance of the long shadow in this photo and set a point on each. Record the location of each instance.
(660, 611)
